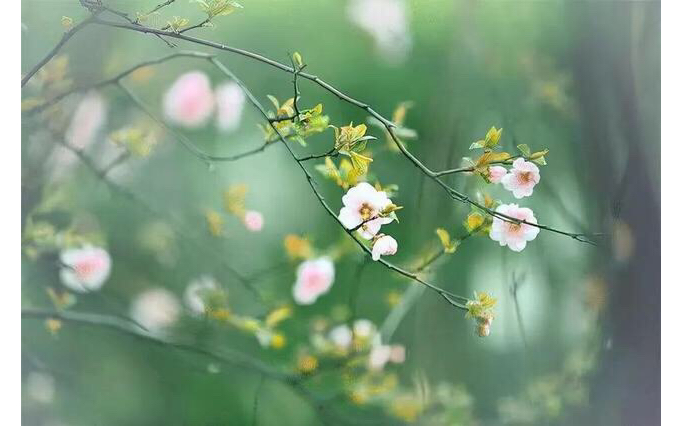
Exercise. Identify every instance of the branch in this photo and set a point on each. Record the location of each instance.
(450, 297)
(454, 194)
(65, 37)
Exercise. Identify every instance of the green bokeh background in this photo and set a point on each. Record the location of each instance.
(579, 78)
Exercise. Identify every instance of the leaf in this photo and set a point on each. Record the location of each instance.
(277, 316)
(360, 163)
(449, 246)
(540, 160)
(274, 101)
(539, 157)
(477, 144)
(525, 149)
(491, 157)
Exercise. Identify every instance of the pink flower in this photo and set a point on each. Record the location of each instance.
(513, 234)
(189, 101)
(87, 120)
(155, 309)
(496, 173)
(385, 245)
(362, 203)
(397, 354)
(522, 178)
(313, 279)
(253, 221)
(230, 101)
(84, 269)
(387, 22)
(197, 291)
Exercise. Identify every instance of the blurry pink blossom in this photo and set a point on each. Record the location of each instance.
(521, 178)
(84, 269)
(155, 309)
(313, 279)
(87, 120)
(514, 235)
(385, 245)
(40, 387)
(364, 328)
(189, 101)
(496, 174)
(230, 101)
(196, 293)
(253, 221)
(397, 354)
(361, 203)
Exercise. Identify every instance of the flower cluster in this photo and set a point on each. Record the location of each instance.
(190, 102)
(366, 209)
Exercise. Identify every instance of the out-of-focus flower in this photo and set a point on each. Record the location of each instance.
(384, 245)
(84, 269)
(481, 309)
(378, 357)
(297, 247)
(362, 203)
(313, 279)
(155, 309)
(189, 101)
(521, 178)
(514, 235)
(87, 120)
(40, 387)
(364, 328)
(386, 21)
(496, 173)
(397, 354)
(341, 336)
(197, 293)
(307, 364)
(230, 102)
(253, 220)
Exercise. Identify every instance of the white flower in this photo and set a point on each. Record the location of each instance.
(521, 178)
(513, 234)
(253, 221)
(341, 336)
(84, 269)
(230, 101)
(189, 101)
(362, 203)
(364, 328)
(87, 120)
(385, 245)
(40, 387)
(386, 21)
(155, 309)
(379, 356)
(496, 173)
(197, 291)
(313, 279)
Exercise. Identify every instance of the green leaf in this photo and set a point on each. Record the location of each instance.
(525, 149)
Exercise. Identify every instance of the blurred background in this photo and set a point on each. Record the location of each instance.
(576, 335)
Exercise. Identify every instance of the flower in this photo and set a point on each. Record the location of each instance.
(362, 203)
(496, 173)
(84, 269)
(387, 22)
(384, 245)
(514, 235)
(230, 102)
(378, 356)
(341, 336)
(397, 354)
(189, 101)
(197, 292)
(253, 220)
(40, 387)
(522, 178)
(155, 309)
(313, 279)
(363, 328)
(87, 120)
